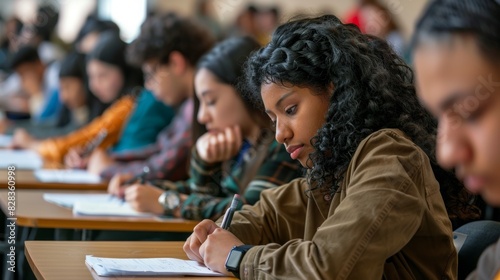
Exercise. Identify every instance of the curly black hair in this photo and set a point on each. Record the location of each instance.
(373, 89)
(162, 34)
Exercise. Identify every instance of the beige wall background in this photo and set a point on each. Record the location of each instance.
(406, 12)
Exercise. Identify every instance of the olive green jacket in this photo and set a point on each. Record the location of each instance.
(387, 221)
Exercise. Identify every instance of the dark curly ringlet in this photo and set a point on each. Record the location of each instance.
(373, 89)
(162, 34)
(225, 60)
(444, 18)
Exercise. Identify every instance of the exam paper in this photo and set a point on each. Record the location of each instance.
(94, 204)
(70, 176)
(21, 159)
(147, 267)
(5, 140)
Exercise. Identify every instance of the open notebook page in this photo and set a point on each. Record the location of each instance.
(147, 267)
(5, 140)
(94, 204)
(21, 159)
(70, 176)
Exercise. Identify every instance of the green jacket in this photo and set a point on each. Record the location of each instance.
(387, 221)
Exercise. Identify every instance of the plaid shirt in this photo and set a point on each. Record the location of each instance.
(210, 189)
(167, 158)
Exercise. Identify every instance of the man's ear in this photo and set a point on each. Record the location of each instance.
(177, 62)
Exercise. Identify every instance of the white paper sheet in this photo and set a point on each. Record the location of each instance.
(21, 159)
(70, 176)
(94, 204)
(5, 140)
(147, 267)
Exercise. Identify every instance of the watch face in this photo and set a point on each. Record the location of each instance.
(172, 201)
(234, 259)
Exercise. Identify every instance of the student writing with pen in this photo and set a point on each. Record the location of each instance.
(371, 206)
(237, 155)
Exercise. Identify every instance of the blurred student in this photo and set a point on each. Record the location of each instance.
(378, 20)
(89, 33)
(79, 105)
(238, 154)
(39, 81)
(113, 82)
(344, 105)
(168, 48)
(457, 62)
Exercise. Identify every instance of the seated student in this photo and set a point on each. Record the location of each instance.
(80, 106)
(39, 82)
(168, 48)
(457, 62)
(112, 81)
(344, 105)
(236, 156)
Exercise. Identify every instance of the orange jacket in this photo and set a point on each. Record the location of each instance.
(113, 119)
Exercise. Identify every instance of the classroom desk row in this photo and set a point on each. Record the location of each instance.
(66, 260)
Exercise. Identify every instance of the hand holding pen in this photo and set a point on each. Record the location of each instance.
(78, 157)
(119, 182)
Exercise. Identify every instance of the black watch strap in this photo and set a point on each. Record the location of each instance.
(234, 258)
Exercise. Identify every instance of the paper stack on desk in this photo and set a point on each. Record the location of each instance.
(21, 159)
(5, 140)
(70, 176)
(94, 204)
(147, 267)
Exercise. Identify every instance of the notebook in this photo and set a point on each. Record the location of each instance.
(94, 204)
(71, 176)
(21, 159)
(147, 267)
(5, 140)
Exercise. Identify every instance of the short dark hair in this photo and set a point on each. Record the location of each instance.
(24, 54)
(161, 35)
(479, 18)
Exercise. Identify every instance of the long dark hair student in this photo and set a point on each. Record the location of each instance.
(73, 66)
(110, 49)
(372, 89)
(229, 71)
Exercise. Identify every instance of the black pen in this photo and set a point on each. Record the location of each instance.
(228, 217)
(92, 145)
(141, 179)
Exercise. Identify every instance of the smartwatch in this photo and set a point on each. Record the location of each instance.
(234, 258)
(170, 200)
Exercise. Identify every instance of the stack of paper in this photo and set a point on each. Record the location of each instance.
(147, 267)
(70, 176)
(94, 204)
(5, 140)
(21, 159)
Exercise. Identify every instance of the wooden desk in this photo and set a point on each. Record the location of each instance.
(25, 179)
(66, 259)
(33, 211)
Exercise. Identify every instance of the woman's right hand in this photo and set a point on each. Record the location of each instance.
(73, 159)
(219, 146)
